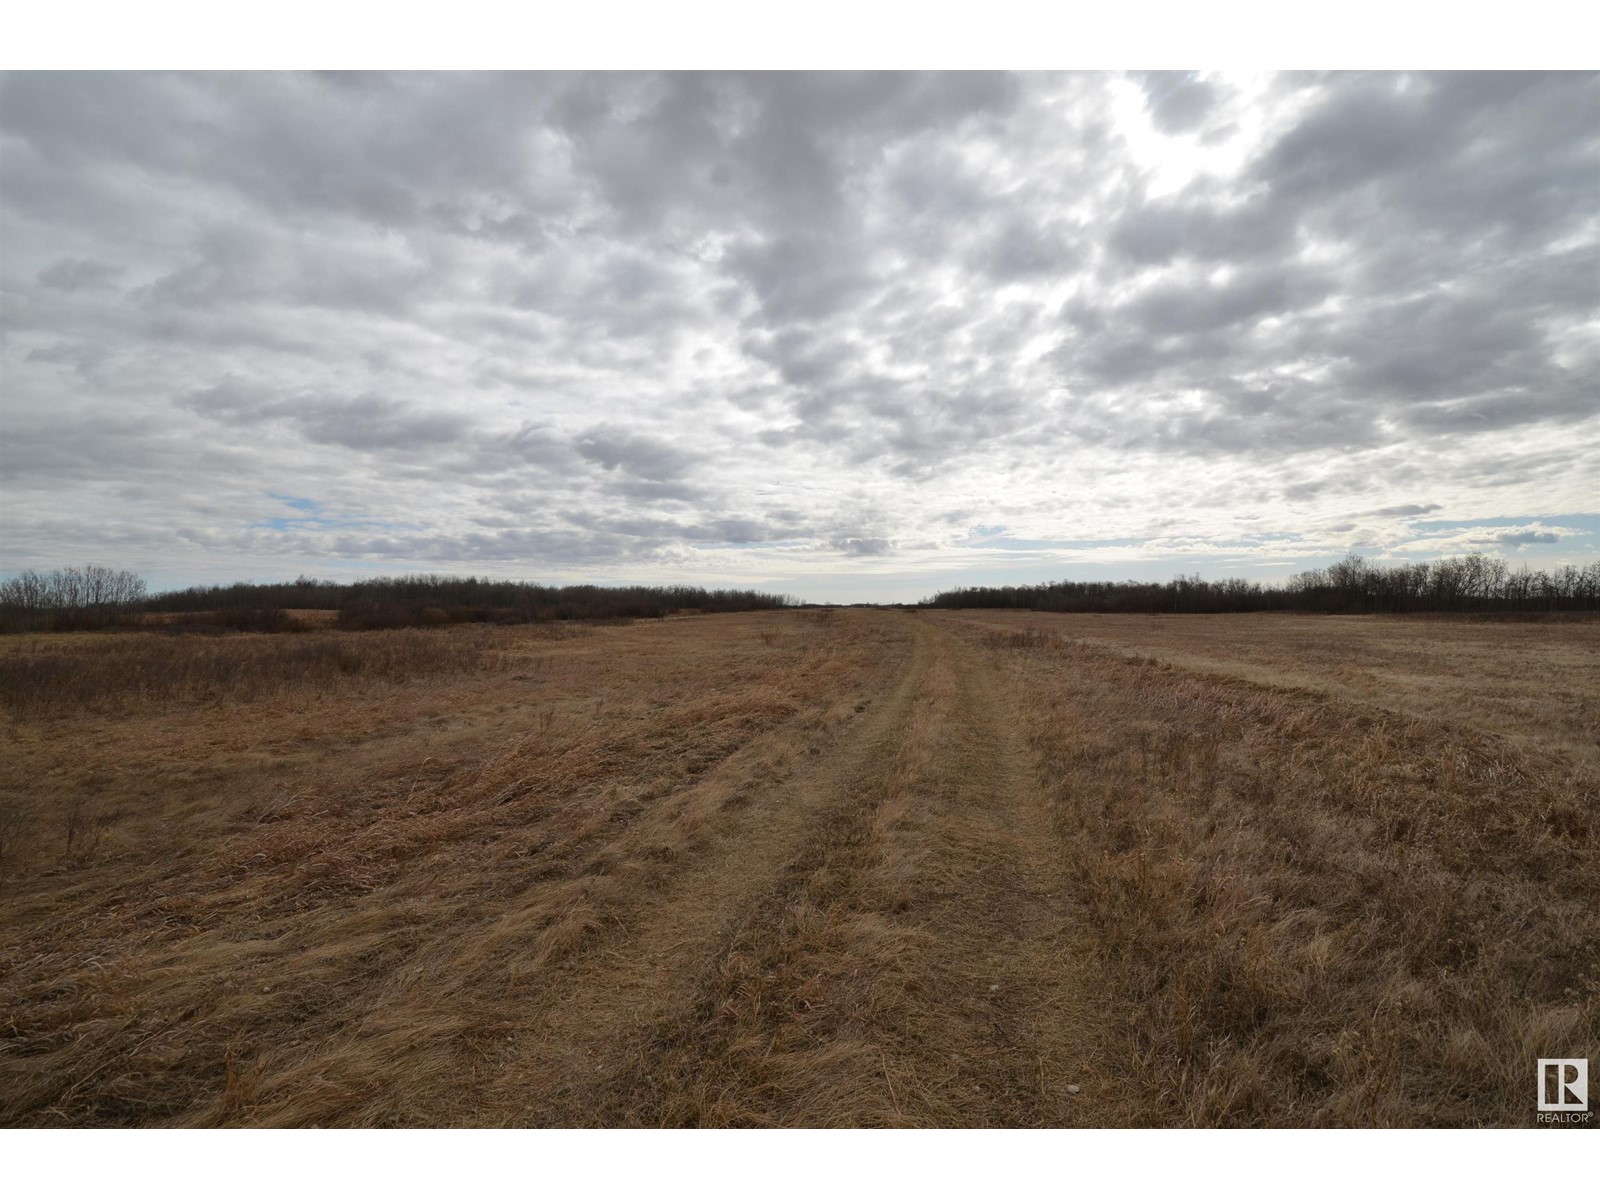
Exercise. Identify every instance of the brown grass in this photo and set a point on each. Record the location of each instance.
(66, 675)
(1531, 682)
(1321, 912)
(263, 889)
(807, 868)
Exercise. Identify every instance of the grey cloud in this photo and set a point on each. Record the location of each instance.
(862, 546)
(234, 264)
(1525, 537)
(370, 423)
(1563, 399)
(1178, 101)
(102, 453)
(289, 142)
(80, 274)
(1231, 419)
(661, 531)
(1189, 308)
(1406, 510)
(1366, 128)
(81, 356)
(1201, 225)
(365, 422)
(549, 547)
(779, 147)
(1019, 249)
(1422, 129)
(645, 457)
(801, 355)
(1491, 538)
(658, 492)
(801, 277)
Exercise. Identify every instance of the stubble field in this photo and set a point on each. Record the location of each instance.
(818, 867)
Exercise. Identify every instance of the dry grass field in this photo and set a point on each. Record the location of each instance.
(801, 868)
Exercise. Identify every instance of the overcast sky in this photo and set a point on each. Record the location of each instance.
(852, 337)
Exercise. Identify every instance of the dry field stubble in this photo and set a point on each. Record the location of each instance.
(851, 868)
(332, 901)
(1531, 681)
(1321, 901)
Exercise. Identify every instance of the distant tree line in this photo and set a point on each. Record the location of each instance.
(69, 598)
(63, 600)
(394, 600)
(1474, 583)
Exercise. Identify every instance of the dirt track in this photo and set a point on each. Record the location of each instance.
(876, 940)
(758, 871)
(846, 869)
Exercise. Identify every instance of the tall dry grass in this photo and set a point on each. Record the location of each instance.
(347, 933)
(1316, 913)
(121, 673)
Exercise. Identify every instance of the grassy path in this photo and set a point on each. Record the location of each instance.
(881, 940)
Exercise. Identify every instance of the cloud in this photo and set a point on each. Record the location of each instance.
(1406, 510)
(363, 423)
(1178, 101)
(1504, 539)
(79, 274)
(861, 545)
(742, 326)
(647, 458)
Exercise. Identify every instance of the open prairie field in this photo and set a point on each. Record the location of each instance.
(843, 867)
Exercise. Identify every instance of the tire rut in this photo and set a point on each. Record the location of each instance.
(1021, 1019)
(913, 965)
(575, 1060)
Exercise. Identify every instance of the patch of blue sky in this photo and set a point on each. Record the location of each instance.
(302, 503)
(1589, 522)
(314, 518)
(282, 524)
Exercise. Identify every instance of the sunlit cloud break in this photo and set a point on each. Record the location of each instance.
(845, 336)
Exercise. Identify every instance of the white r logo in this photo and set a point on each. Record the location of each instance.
(1563, 1085)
